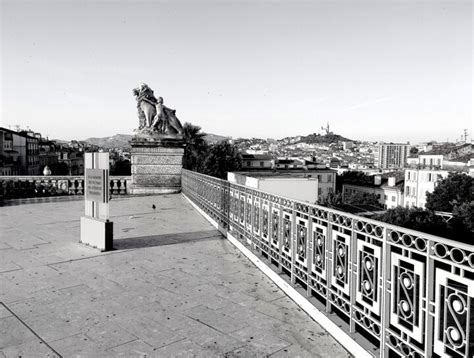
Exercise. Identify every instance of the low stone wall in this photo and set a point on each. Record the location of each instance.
(16, 187)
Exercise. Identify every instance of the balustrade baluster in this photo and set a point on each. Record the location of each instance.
(80, 187)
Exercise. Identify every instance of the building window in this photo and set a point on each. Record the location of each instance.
(248, 164)
(261, 164)
(320, 191)
(393, 198)
(329, 178)
(385, 197)
(319, 177)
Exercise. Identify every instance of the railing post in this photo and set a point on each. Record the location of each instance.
(352, 276)
(329, 262)
(385, 297)
(293, 243)
(309, 255)
(430, 300)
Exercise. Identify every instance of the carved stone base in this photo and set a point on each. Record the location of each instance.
(156, 165)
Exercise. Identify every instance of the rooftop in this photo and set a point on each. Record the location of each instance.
(285, 173)
(172, 287)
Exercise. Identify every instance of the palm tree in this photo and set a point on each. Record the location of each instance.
(196, 147)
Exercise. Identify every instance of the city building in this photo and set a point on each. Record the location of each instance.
(391, 155)
(19, 152)
(73, 159)
(388, 189)
(423, 173)
(47, 154)
(310, 185)
(347, 145)
(335, 162)
(257, 161)
(418, 182)
(12, 147)
(32, 155)
(430, 161)
(286, 163)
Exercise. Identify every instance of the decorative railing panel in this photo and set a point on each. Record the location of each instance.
(14, 187)
(406, 293)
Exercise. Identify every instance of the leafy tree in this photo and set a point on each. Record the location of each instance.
(359, 198)
(459, 228)
(196, 147)
(462, 223)
(352, 176)
(60, 168)
(454, 190)
(416, 219)
(413, 150)
(121, 167)
(332, 199)
(222, 158)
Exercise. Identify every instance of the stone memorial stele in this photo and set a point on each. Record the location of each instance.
(96, 228)
(157, 146)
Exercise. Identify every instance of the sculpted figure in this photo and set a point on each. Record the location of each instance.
(153, 116)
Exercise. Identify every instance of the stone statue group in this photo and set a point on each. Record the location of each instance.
(153, 116)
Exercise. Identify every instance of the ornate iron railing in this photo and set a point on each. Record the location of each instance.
(397, 291)
(13, 187)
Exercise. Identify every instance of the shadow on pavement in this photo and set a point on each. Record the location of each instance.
(40, 200)
(166, 239)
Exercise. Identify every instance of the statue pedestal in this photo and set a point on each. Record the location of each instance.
(156, 164)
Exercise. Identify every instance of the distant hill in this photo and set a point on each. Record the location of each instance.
(116, 141)
(328, 138)
(214, 138)
(123, 140)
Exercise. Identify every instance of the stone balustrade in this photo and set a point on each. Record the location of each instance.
(13, 187)
(395, 291)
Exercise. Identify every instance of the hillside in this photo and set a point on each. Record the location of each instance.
(214, 138)
(328, 138)
(116, 141)
(123, 140)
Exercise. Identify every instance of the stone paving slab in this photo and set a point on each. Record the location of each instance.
(173, 287)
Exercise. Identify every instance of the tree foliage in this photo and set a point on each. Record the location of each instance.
(222, 158)
(215, 160)
(458, 229)
(60, 168)
(353, 177)
(360, 198)
(416, 219)
(121, 167)
(332, 199)
(454, 190)
(196, 147)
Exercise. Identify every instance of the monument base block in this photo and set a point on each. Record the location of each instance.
(156, 165)
(97, 233)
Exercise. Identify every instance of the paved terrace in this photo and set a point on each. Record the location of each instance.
(173, 287)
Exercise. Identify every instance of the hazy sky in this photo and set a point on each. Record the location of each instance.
(375, 70)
